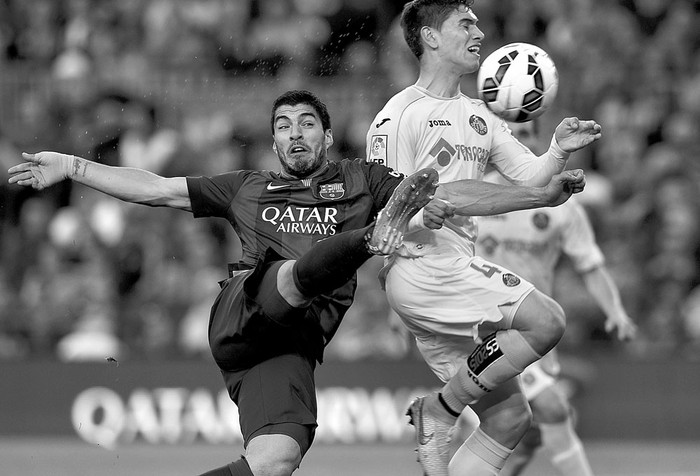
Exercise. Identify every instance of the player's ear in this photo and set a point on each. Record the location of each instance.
(329, 138)
(274, 146)
(428, 36)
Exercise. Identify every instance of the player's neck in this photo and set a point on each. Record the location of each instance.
(440, 83)
(320, 170)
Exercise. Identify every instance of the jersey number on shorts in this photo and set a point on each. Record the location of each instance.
(486, 270)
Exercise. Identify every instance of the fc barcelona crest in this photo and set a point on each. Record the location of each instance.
(331, 191)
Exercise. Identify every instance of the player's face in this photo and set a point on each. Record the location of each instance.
(299, 139)
(460, 40)
(526, 133)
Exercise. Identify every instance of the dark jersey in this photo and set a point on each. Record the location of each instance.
(287, 216)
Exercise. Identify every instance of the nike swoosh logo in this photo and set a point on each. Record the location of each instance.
(276, 187)
(381, 123)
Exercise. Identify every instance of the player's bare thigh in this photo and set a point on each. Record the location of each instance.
(270, 454)
(288, 289)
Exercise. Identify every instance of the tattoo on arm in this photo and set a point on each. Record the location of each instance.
(79, 164)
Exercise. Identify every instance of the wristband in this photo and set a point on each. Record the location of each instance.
(556, 151)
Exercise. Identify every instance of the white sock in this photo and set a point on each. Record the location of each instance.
(480, 455)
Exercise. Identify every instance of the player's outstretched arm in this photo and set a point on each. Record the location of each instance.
(44, 169)
(573, 134)
(478, 198)
(607, 295)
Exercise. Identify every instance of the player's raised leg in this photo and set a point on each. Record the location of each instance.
(333, 261)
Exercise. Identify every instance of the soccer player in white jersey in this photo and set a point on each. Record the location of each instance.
(531, 243)
(477, 324)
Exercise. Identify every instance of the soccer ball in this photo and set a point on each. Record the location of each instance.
(518, 82)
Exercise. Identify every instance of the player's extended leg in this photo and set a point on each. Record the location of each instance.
(332, 262)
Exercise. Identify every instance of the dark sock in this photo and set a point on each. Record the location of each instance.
(331, 262)
(446, 406)
(237, 468)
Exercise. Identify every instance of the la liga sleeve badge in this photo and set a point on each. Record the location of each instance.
(377, 151)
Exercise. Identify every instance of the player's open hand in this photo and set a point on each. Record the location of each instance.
(40, 170)
(573, 134)
(563, 185)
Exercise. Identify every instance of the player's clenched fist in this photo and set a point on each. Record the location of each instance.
(563, 185)
(436, 212)
(41, 170)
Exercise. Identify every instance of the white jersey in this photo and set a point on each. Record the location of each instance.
(531, 242)
(458, 137)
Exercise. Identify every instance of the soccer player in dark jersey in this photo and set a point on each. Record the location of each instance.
(304, 231)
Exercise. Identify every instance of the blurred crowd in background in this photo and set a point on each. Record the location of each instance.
(184, 87)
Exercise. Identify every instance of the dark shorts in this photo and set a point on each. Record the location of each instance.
(276, 396)
(251, 322)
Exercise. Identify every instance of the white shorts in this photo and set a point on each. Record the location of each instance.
(445, 301)
(534, 379)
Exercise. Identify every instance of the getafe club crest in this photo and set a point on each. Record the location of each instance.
(510, 280)
(478, 124)
(331, 191)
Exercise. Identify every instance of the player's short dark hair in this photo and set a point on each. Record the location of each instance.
(420, 13)
(301, 96)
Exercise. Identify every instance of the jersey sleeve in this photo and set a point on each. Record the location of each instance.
(579, 242)
(519, 164)
(381, 181)
(212, 196)
(391, 141)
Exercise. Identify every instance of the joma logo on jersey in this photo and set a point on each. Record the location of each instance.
(302, 220)
(438, 123)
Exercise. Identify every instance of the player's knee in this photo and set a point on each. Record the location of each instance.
(550, 322)
(553, 317)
